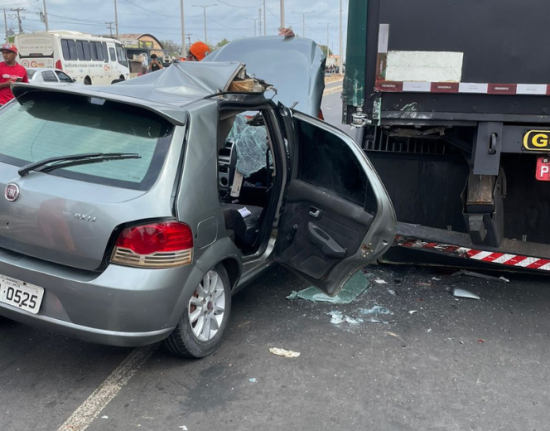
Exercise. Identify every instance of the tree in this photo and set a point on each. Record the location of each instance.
(324, 49)
(222, 43)
(171, 48)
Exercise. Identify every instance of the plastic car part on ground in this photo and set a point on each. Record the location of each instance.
(351, 290)
(285, 353)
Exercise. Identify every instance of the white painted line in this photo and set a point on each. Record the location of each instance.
(333, 90)
(102, 396)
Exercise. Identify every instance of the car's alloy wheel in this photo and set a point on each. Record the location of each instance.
(205, 318)
(206, 308)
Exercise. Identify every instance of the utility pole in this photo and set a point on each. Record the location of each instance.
(6, 24)
(19, 10)
(116, 20)
(282, 13)
(303, 22)
(328, 41)
(189, 38)
(46, 17)
(341, 48)
(204, 11)
(110, 27)
(260, 18)
(265, 22)
(183, 48)
(254, 19)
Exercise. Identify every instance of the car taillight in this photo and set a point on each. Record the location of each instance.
(155, 245)
(58, 65)
(321, 116)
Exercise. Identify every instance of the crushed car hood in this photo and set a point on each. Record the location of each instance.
(294, 66)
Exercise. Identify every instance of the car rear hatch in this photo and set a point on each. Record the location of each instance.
(70, 215)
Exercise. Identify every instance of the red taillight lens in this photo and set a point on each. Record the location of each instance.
(321, 116)
(156, 245)
(58, 65)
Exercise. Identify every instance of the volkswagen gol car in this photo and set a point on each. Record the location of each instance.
(132, 213)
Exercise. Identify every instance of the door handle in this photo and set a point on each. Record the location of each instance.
(328, 245)
(315, 212)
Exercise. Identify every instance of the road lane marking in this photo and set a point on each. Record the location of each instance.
(329, 91)
(102, 396)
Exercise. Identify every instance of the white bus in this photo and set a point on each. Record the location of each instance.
(86, 58)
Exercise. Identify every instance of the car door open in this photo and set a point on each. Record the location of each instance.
(337, 215)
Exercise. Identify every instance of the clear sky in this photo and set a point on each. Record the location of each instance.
(230, 19)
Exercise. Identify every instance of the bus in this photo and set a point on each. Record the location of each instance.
(88, 59)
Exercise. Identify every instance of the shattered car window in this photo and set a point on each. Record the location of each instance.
(251, 145)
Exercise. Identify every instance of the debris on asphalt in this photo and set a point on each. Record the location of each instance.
(104, 417)
(393, 334)
(380, 281)
(284, 353)
(184, 428)
(253, 380)
(398, 280)
(377, 309)
(392, 292)
(413, 311)
(429, 330)
(377, 320)
(462, 293)
(424, 285)
(337, 318)
(480, 341)
(351, 290)
(479, 275)
(436, 279)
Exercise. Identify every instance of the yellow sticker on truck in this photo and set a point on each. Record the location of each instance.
(537, 140)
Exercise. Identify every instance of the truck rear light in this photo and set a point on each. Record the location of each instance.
(156, 245)
(58, 65)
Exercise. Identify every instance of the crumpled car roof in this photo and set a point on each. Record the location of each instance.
(294, 66)
(164, 91)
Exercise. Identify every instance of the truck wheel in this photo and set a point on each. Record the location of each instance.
(201, 327)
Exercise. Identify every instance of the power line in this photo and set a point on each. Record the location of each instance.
(238, 7)
(149, 11)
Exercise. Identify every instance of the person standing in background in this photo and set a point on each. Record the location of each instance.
(155, 64)
(10, 72)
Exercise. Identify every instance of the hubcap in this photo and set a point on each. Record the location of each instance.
(207, 307)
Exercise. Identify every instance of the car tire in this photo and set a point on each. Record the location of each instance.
(204, 320)
(87, 81)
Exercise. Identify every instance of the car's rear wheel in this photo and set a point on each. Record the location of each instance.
(87, 81)
(201, 327)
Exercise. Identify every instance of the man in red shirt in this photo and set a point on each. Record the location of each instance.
(10, 72)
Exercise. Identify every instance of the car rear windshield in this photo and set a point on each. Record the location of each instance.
(44, 125)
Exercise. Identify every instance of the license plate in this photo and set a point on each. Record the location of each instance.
(19, 294)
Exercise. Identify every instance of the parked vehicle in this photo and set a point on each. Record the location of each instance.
(451, 104)
(50, 76)
(89, 59)
(133, 212)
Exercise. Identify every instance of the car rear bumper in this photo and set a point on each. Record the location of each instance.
(120, 306)
(92, 335)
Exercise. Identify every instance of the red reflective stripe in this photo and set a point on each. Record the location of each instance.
(492, 257)
(538, 264)
(515, 260)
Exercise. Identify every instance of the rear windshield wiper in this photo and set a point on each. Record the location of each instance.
(73, 160)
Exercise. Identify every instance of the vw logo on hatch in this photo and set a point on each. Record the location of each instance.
(12, 192)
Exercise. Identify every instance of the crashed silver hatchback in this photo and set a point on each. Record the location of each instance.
(131, 213)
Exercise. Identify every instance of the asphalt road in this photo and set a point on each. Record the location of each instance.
(435, 363)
